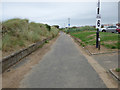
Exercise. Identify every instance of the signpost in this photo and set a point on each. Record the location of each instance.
(98, 25)
(68, 22)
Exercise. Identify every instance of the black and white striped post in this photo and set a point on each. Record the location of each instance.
(98, 25)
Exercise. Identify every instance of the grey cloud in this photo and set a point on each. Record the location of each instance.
(81, 13)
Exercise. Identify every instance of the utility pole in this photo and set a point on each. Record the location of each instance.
(64, 25)
(68, 22)
(98, 25)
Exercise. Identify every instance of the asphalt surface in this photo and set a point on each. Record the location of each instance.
(63, 66)
(108, 61)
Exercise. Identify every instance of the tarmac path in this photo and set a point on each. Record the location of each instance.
(63, 66)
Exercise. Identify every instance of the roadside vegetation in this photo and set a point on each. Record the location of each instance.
(117, 69)
(88, 37)
(19, 33)
(77, 29)
(0, 37)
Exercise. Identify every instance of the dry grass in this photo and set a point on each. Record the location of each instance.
(19, 33)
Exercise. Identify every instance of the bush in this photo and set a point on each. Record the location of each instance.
(48, 27)
(56, 26)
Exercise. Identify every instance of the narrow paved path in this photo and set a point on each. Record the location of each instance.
(63, 66)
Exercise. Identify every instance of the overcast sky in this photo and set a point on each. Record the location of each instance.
(52, 13)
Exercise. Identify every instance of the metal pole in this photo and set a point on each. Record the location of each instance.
(68, 22)
(98, 25)
(97, 36)
(64, 25)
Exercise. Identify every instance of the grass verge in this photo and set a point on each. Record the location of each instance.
(108, 40)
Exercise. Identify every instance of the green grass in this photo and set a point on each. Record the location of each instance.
(83, 35)
(108, 36)
(109, 40)
(78, 29)
(117, 70)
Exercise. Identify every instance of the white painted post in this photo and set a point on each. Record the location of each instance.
(98, 25)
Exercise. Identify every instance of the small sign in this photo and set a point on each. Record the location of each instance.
(98, 23)
(68, 24)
